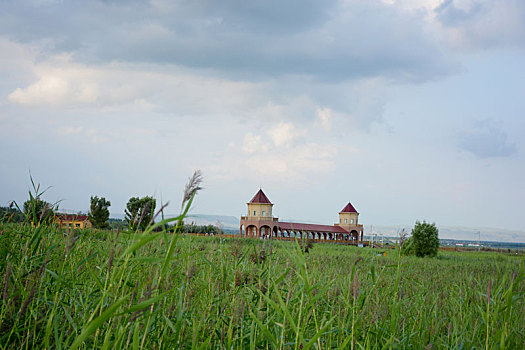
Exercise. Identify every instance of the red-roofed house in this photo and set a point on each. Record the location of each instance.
(260, 223)
(72, 221)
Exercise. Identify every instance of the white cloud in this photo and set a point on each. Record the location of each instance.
(284, 153)
(53, 90)
(70, 130)
(294, 164)
(284, 134)
(428, 5)
(325, 117)
(16, 59)
(61, 83)
(253, 144)
(58, 82)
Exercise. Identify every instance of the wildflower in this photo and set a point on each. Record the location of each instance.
(192, 187)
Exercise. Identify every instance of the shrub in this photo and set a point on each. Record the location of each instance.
(38, 211)
(425, 239)
(11, 213)
(408, 247)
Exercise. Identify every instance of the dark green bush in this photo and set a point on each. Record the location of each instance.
(426, 240)
(408, 247)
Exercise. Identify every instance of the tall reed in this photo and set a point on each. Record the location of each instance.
(166, 290)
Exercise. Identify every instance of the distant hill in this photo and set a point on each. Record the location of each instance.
(227, 222)
(458, 233)
(232, 223)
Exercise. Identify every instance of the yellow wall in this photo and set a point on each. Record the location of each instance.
(75, 224)
(258, 208)
(348, 217)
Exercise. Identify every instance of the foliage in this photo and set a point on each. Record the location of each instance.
(408, 247)
(425, 239)
(192, 228)
(11, 214)
(139, 212)
(99, 213)
(158, 290)
(115, 224)
(36, 210)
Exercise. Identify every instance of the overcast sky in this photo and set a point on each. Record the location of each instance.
(410, 109)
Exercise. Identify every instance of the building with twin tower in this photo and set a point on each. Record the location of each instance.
(260, 222)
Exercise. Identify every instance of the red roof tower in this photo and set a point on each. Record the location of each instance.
(349, 209)
(260, 197)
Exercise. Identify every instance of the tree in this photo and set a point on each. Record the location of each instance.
(99, 213)
(38, 211)
(408, 247)
(139, 212)
(11, 213)
(425, 239)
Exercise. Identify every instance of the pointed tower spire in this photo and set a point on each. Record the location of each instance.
(260, 197)
(349, 209)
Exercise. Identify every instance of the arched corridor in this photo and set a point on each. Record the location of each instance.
(259, 223)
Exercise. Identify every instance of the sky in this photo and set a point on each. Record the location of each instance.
(409, 109)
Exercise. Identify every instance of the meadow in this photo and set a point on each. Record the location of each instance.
(84, 289)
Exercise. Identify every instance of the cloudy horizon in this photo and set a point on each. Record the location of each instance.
(411, 110)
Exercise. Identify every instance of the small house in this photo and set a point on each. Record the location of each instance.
(72, 221)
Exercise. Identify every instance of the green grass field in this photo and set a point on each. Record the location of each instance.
(96, 289)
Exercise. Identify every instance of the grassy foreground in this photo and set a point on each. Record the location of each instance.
(153, 290)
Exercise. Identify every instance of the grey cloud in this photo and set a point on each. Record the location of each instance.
(449, 14)
(485, 24)
(266, 17)
(329, 41)
(487, 139)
